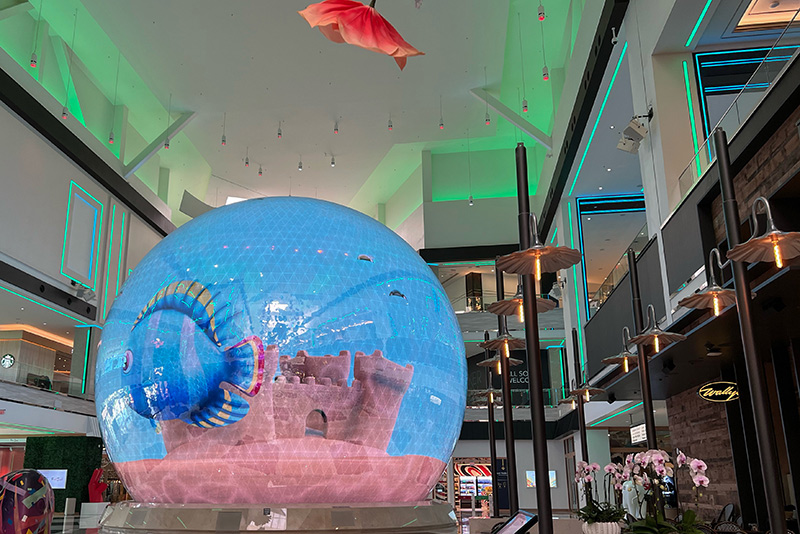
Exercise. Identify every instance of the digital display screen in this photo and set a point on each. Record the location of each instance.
(56, 477)
(518, 524)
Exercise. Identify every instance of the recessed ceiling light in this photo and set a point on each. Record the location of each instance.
(608, 169)
(588, 218)
(612, 126)
(600, 188)
(44, 324)
(773, 5)
(23, 309)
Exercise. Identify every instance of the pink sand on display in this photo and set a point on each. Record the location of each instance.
(309, 437)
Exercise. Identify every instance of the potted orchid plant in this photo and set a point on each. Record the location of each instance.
(599, 516)
(648, 470)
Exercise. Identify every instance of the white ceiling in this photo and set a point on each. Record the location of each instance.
(261, 63)
(15, 310)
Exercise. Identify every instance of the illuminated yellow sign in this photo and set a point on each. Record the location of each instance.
(719, 391)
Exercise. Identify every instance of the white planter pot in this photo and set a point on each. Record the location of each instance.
(601, 528)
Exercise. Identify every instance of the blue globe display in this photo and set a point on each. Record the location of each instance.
(281, 350)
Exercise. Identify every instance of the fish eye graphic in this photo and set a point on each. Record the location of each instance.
(396, 293)
(127, 362)
(364, 257)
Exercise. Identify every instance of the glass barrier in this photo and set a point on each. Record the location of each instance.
(617, 273)
(476, 398)
(770, 69)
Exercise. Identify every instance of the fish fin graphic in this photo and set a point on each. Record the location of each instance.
(247, 361)
(222, 409)
(191, 298)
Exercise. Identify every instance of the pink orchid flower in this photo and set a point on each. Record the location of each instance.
(681, 459)
(700, 480)
(698, 465)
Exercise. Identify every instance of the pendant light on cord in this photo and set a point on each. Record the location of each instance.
(389, 124)
(469, 170)
(545, 71)
(64, 110)
(486, 119)
(34, 58)
(224, 140)
(522, 64)
(169, 112)
(280, 133)
(114, 115)
(441, 114)
(247, 157)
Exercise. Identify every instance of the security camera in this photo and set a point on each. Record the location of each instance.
(635, 130)
(614, 36)
(628, 145)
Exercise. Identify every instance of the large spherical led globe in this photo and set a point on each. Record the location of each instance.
(281, 350)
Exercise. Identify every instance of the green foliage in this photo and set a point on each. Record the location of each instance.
(659, 525)
(602, 512)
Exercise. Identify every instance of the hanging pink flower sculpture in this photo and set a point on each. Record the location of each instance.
(348, 21)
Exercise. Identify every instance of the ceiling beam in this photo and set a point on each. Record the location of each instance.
(151, 149)
(513, 117)
(11, 8)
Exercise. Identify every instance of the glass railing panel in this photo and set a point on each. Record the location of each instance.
(618, 273)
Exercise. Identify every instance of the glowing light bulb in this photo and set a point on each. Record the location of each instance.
(336, 129)
(716, 305)
(471, 201)
(64, 112)
(586, 395)
(333, 161)
(541, 12)
(498, 367)
(166, 143)
(487, 119)
(573, 403)
(538, 268)
(247, 161)
(655, 344)
(111, 137)
(260, 171)
(441, 124)
(545, 73)
(280, 133)
(505, 348)
(224, 140)
(33, 60)
(776, 250)
(524, 105)
(521, 312)
(390, 125)
(491, 397)
(624, 364)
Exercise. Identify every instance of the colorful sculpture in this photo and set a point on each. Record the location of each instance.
(195, 382)
(27, 503)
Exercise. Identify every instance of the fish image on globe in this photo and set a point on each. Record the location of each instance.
(281, 350)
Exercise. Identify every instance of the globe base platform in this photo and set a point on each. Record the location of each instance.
(409, 518)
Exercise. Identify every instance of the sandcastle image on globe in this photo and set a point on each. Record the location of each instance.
(201, 401)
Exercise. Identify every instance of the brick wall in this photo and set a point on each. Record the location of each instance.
(774, 164)
(700, 429)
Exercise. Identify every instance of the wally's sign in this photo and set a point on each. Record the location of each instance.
(719, 391)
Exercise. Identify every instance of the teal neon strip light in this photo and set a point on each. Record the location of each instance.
(577, 300)
(108, 267)
(95, 237)
(80, 323)
(599, 116)
(552, 239)
(697, 24)
(121, 243)
(86, 360)
(616, 414)
(691, 118)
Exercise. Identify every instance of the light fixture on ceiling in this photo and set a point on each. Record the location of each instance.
(471, 202)
(300, 164)
(469, 168)
(169, 113)
(635, 130)
(712, 351)
(64, 110)
(247, 157)
(545, 70)
(333, 161)
(600, 188)
(545, 73)
(608, 169)
(541, 12)
(627, 145)
(389, 124)
(522, 64)
(612, 126)
(441, 114)
(653, 334)
(539, 257)
(224, 138)
(260, 170)
(114, 114)
(280, 133)
(774, 244)
(336, 127)
(713, 296)
(513, 305)
(486, 118)
(34, 58)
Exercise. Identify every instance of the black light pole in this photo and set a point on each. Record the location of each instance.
(644, 370)
(492, 444)
(580, 400)
(508, 416)
(535, 380)
(765, 435)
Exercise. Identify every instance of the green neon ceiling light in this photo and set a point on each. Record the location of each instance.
(121, 242)
(599, 116)
(552, 239)
(575, 286)
(691, 118)
(44, 306)
(697, 24)
(86, 360)
(616, 414)
(110, 248)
